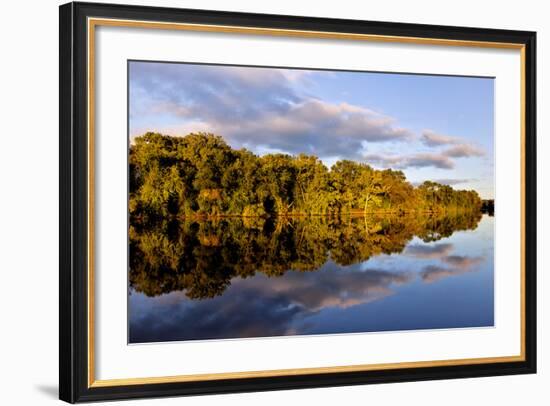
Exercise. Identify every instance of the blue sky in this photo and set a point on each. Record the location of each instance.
(432, 127)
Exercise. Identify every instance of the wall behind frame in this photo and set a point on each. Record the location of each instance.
(29, 202)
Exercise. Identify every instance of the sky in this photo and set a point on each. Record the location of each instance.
(438, 128)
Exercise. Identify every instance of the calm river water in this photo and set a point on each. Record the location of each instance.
(236, 278)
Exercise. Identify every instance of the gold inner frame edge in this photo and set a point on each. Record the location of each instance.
(94, 22)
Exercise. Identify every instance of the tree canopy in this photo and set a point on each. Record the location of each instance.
(200, 175)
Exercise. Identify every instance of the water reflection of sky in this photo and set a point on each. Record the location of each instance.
(443, 284)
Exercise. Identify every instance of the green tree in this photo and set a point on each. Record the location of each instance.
(201, 175)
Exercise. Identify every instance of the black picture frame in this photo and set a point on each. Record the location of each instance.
(74, 200)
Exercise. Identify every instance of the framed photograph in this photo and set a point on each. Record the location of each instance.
(256, 202)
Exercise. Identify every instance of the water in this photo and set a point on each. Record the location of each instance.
(238, 278)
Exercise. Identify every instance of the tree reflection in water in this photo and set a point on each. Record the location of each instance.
(201, 258)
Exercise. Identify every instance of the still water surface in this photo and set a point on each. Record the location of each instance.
(236, 278)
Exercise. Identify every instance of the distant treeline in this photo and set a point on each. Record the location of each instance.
(488, 206)
(201, 175)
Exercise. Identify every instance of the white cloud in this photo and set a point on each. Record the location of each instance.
(433, 139)
(416, 160)
(464, 151)
(256, 106)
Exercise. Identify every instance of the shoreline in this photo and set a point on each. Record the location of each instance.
(354, 214)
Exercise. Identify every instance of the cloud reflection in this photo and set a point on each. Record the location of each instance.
(263, 306)
(456, 265)
(429, 251)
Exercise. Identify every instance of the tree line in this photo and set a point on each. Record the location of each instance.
(200, 175)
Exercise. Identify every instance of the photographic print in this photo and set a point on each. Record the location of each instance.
(274, 202)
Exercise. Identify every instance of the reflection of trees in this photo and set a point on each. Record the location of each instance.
(201, 257)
